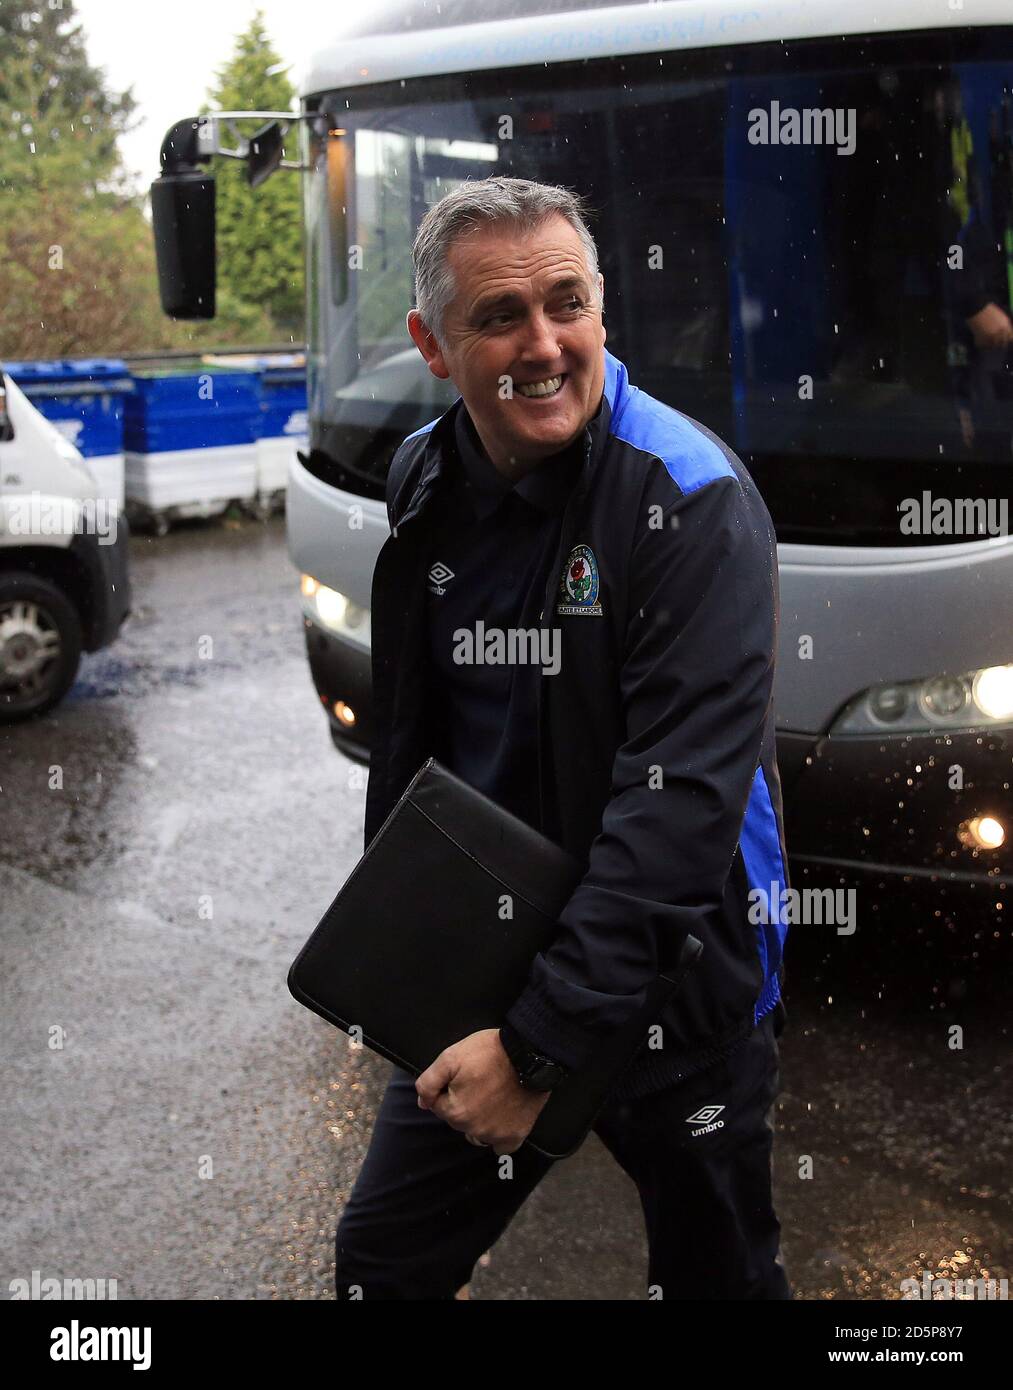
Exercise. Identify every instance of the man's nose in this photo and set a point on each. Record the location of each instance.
(541, 340)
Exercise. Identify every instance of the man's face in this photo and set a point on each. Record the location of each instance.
(524, 310)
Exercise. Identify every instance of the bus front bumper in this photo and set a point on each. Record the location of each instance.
(343, 678)
(914, 813)
(903, 808)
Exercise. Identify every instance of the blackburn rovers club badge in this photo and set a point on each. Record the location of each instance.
(578, 584)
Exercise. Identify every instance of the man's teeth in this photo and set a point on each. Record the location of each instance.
(541, 388)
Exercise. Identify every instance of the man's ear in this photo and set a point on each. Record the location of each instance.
(601, 294)
(426, 343)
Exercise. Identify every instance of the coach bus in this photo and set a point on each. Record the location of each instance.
(804, 214)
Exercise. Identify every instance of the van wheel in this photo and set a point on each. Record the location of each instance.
(40, 645)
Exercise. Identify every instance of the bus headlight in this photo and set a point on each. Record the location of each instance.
(972, 701)
(335, 611)
(993, 692)
(983, 832)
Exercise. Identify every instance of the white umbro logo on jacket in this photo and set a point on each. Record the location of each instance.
(438, 577)
(707, 1118)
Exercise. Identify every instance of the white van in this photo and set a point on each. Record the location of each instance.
(64, 579)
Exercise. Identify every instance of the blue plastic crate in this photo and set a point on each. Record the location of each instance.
(200, 410)
(282, 402)
(84, 399)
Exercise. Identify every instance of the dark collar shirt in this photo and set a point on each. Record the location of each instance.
(486, 574)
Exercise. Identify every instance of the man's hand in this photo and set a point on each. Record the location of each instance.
(474, 1088)
(991, 327)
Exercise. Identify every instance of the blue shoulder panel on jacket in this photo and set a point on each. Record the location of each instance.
(691, 458)
(761, 853)
(424, 429)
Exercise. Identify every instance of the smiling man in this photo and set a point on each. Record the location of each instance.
(555, 497)
(532, 397)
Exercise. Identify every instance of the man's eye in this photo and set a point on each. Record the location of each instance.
(574, 302)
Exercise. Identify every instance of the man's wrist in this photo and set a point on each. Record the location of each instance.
(535, 1070)
(511, 1039)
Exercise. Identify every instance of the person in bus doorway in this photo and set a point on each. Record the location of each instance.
(641, 739)
(978, 285)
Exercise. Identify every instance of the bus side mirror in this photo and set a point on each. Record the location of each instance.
(266, 152)
(183, 219)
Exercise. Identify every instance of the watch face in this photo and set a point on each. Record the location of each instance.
(543, 1076)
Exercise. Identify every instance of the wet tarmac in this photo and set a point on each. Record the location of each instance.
(173, 1119)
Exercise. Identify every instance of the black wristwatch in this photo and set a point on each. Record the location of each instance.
(534, 1070)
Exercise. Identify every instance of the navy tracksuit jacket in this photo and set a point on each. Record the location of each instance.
(657, 762)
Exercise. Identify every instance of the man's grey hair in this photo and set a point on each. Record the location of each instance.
(520, 203)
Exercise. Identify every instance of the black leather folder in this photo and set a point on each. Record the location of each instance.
(432, 936)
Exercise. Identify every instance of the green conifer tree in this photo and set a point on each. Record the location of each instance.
(258, 230)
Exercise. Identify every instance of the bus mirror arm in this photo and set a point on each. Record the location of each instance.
(200, 138)
(183, 199)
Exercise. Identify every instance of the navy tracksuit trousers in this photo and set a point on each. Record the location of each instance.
(427, 1203)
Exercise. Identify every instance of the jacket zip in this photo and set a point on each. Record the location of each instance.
(574, 504)
(422, 495)
(562, 550)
